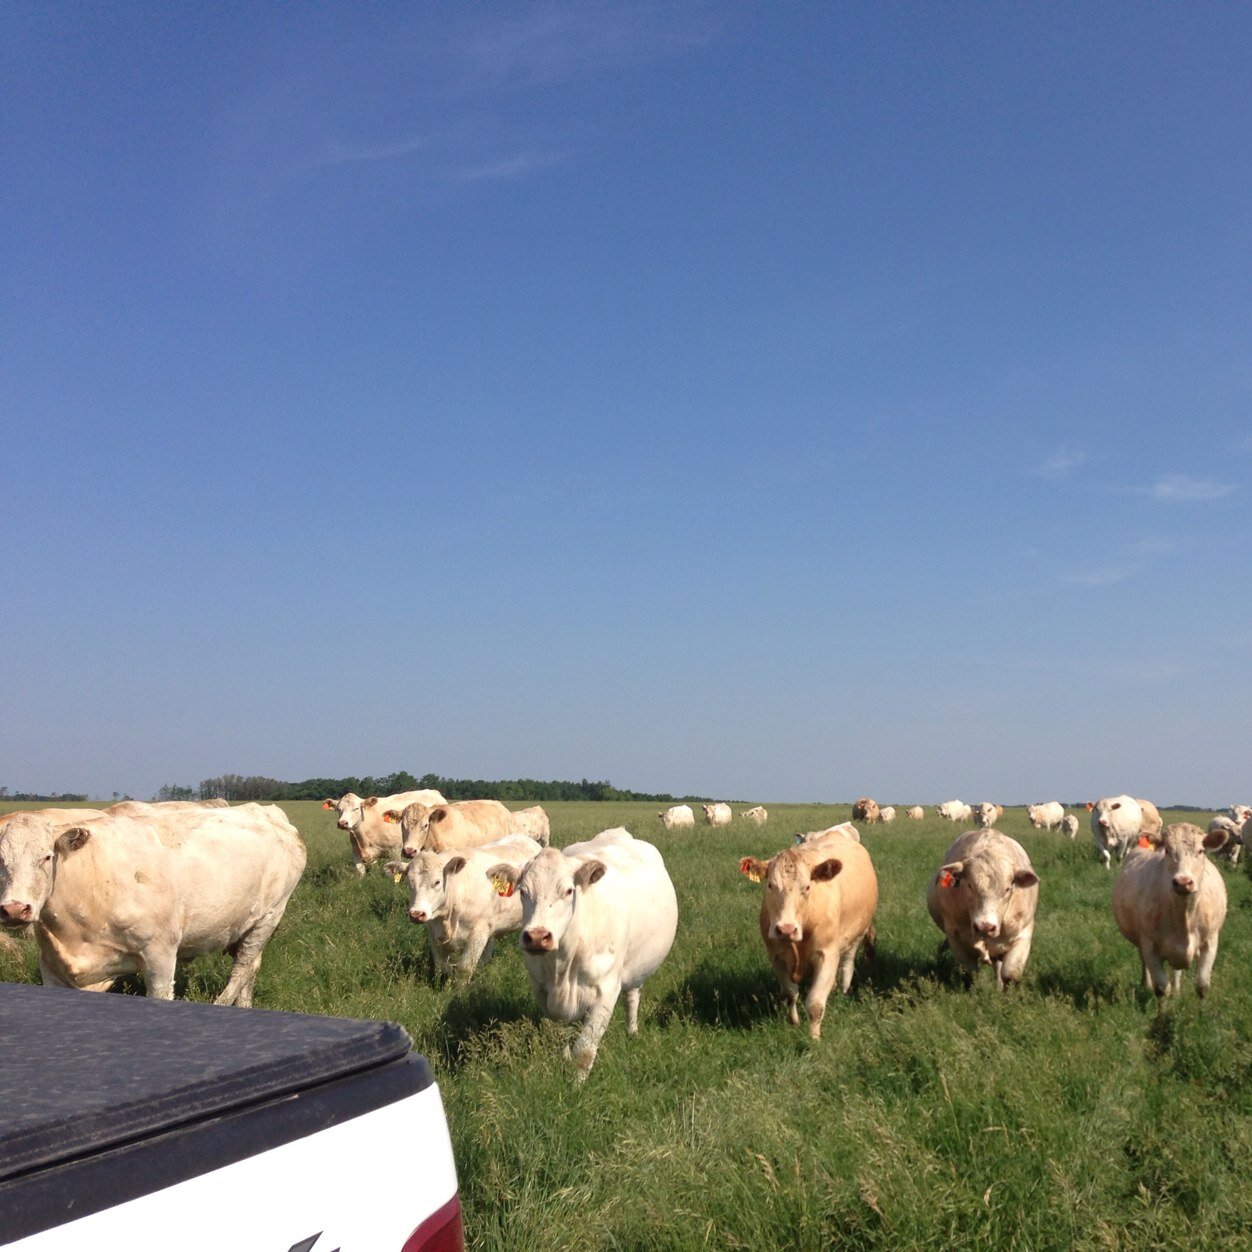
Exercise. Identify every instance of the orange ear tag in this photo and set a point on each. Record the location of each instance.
(1144, 841)
(326, 804)
(502, 886)
(946, 879)
(746, 868)
(388, 818)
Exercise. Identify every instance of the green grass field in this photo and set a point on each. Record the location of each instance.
(1065, 1114)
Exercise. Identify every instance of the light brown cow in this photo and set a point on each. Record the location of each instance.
(1152, 823)
(464, 824)
(817, 910)
(364, 820)
(865, 810)
(533, 823)
(118, 894)
(1170, 902)
(916, 813)
(983, 898)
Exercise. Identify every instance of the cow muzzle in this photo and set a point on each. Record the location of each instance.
(988, 930)
(538, 940)
(409, 851)
(788, 930)
(15, 913)
(1184, 885)
(417, 915)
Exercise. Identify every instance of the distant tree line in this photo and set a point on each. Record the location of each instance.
(237, 787)
(6, 794)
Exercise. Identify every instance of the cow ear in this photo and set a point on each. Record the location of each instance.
(1025, 878)
(589, 872)
(391, 815)
(398, 868)
(73, 839)
(503, 878)
(1215, 839)
(826, 870)
(454, 866)
(328, 804)
(373, 800)
(950, 874)
(752, 869)
(438, 815)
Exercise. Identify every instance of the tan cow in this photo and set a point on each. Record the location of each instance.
(983, 897)
(817, 910)
(916, 813)
(865, 810)
(887, 813)
(464, 824)
(1152, 823)
(1170, 902)
(120, 894)
(534, 823)
(364, 820)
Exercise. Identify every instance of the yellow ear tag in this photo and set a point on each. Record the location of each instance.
(397, 877)
(748, 871)
(946, 879)
(503, 886)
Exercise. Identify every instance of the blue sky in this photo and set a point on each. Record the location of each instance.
(779, 403)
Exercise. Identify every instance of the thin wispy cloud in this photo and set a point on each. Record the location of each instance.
(1183, 489)
(1061, 463)
(509, 167)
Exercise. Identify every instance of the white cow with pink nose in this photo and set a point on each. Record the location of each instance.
(983, 897)
(1170, 902)
(597, 920)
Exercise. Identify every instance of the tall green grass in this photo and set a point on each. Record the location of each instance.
(1067, 1113)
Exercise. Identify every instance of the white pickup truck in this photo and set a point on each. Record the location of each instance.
(156, 1126)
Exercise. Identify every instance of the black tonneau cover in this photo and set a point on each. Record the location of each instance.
(99, 1090)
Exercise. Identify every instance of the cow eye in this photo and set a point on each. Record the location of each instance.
(569, 891)
(47, 858)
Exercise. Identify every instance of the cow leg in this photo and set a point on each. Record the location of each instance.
(1157, 973)
(1012, 965)
(632, 1010)
(478, 941)
(584, 1048)
(247, 953)
(158, 973)
(825, 974)
(790, 989)
(1204, 966)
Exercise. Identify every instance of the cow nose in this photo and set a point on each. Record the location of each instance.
(15, 911)
(538, 938)
(417, 915)
(987, 928)
(1184, 884)
(410, 852)
(342, 824)
(788, 930)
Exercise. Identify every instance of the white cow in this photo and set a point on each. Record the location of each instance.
(717, 814)
(916, 813)
(451, 894)
(1170, 902)
(757, 816)
(370, 835)
(954, 811)
(846, 829)
(597, 920)
(1116, 822)
(679, 816)
(1070, 825)
(119, 894)
(1049, 816)
(1234, 836)
(887, 813)
(988, 814)
(533, 822)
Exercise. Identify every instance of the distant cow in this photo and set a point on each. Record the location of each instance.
(452, 895)
(1070, 825)
(1170, 903)
(717, 814)
(817, 910)
(370, 836)
(865, 810)
(1049, 816)
(534, 823)
(983, 898)
(757, 816)
(987, 814)
(677, 817)
(1116, 822)
(1234, 837)
(916, 813)
(597, 920)
(118, 894)
(1152, 823)
(464, 824)
(954, 811)
(887, 813)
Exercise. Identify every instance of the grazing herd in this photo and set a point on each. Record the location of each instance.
(137, 887)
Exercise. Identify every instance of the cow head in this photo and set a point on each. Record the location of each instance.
(415, 825)
(350, 808)
(789, 880)
(1184, 847)
(987, 884)
(29, 851)
(426, 876)
(550, 886)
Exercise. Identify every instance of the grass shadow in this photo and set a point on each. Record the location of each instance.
(714, 996)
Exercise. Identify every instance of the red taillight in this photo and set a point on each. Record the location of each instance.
(440, 1232)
